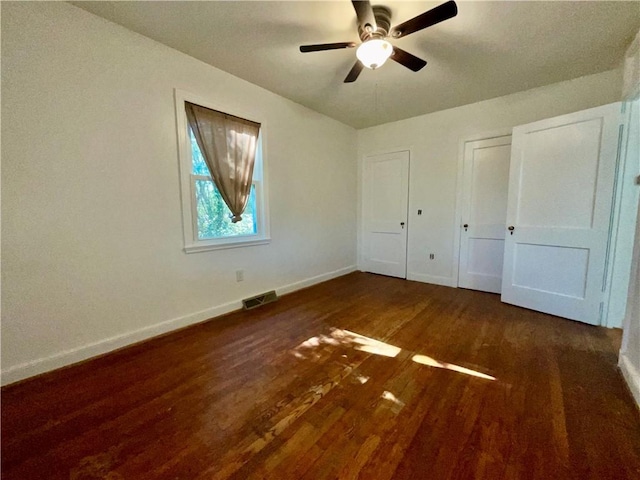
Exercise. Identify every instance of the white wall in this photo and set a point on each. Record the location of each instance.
(91, 222)
(435, 141)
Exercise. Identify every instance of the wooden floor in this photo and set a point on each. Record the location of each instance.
(360, 377)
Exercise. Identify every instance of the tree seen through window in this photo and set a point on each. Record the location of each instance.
(213, 215)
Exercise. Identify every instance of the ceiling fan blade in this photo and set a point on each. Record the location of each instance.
(435, 15)
(326, 46)
(355, 71)
(408, 60)
(365, 15)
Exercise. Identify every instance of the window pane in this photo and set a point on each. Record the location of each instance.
(214, 217)
(199, 166)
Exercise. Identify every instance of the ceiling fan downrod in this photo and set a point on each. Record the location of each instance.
(382, 15)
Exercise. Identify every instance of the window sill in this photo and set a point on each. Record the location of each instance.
(199, 247)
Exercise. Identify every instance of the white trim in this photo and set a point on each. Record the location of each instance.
(388, 150)
(489, 135)
(503, 132)
(292, 287)
(623, 222)
(434, 279)
(631, 376)
(74, 355)
(226, 242)
(191, 243)
(234, 242)
(631, 70)
(185, 95)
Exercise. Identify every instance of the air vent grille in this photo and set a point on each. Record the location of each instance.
(253, 302)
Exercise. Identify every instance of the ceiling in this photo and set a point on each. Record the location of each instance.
(488, 50)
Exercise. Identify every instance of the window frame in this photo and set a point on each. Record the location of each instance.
(192, 243)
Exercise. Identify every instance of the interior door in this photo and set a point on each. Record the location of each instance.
(559, 208)
(485, 183)
(385, 202)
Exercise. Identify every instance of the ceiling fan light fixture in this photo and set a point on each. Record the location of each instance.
(373, 53)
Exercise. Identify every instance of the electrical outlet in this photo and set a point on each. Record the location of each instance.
(431, 256)
(239, 275)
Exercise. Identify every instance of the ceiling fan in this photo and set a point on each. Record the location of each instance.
(374, 26)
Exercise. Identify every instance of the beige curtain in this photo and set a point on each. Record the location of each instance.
(228, 145)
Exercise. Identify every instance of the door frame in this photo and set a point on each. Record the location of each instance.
(457, 222)
(360, 215)
(624, 210)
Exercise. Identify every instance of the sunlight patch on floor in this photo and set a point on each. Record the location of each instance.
(396, 403)
(362, 343)
(432, 362)
(339, 336)
(365, 344)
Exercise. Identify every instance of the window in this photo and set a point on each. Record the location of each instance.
(206, 218)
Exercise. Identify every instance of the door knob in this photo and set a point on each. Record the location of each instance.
(511, 229)
(402, 224)
(465, 226)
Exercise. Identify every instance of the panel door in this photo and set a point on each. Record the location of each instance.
(485, 182)
(559, 209)
(385, 202)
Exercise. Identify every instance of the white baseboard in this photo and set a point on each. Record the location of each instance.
(74, 355)
(68, 357)
(421, 277)
(292, 287)
(631, 375)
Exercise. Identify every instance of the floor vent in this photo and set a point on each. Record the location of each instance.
(253, 302)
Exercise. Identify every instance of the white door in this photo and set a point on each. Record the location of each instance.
(485, 182)
(385, 199)
(559, 207)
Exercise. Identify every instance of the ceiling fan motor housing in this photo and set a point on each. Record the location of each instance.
(382, 15)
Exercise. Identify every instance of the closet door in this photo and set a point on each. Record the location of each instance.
(485, 180)
(559, 209)
(385, 202)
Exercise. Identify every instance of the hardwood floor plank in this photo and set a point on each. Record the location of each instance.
(363, 376)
